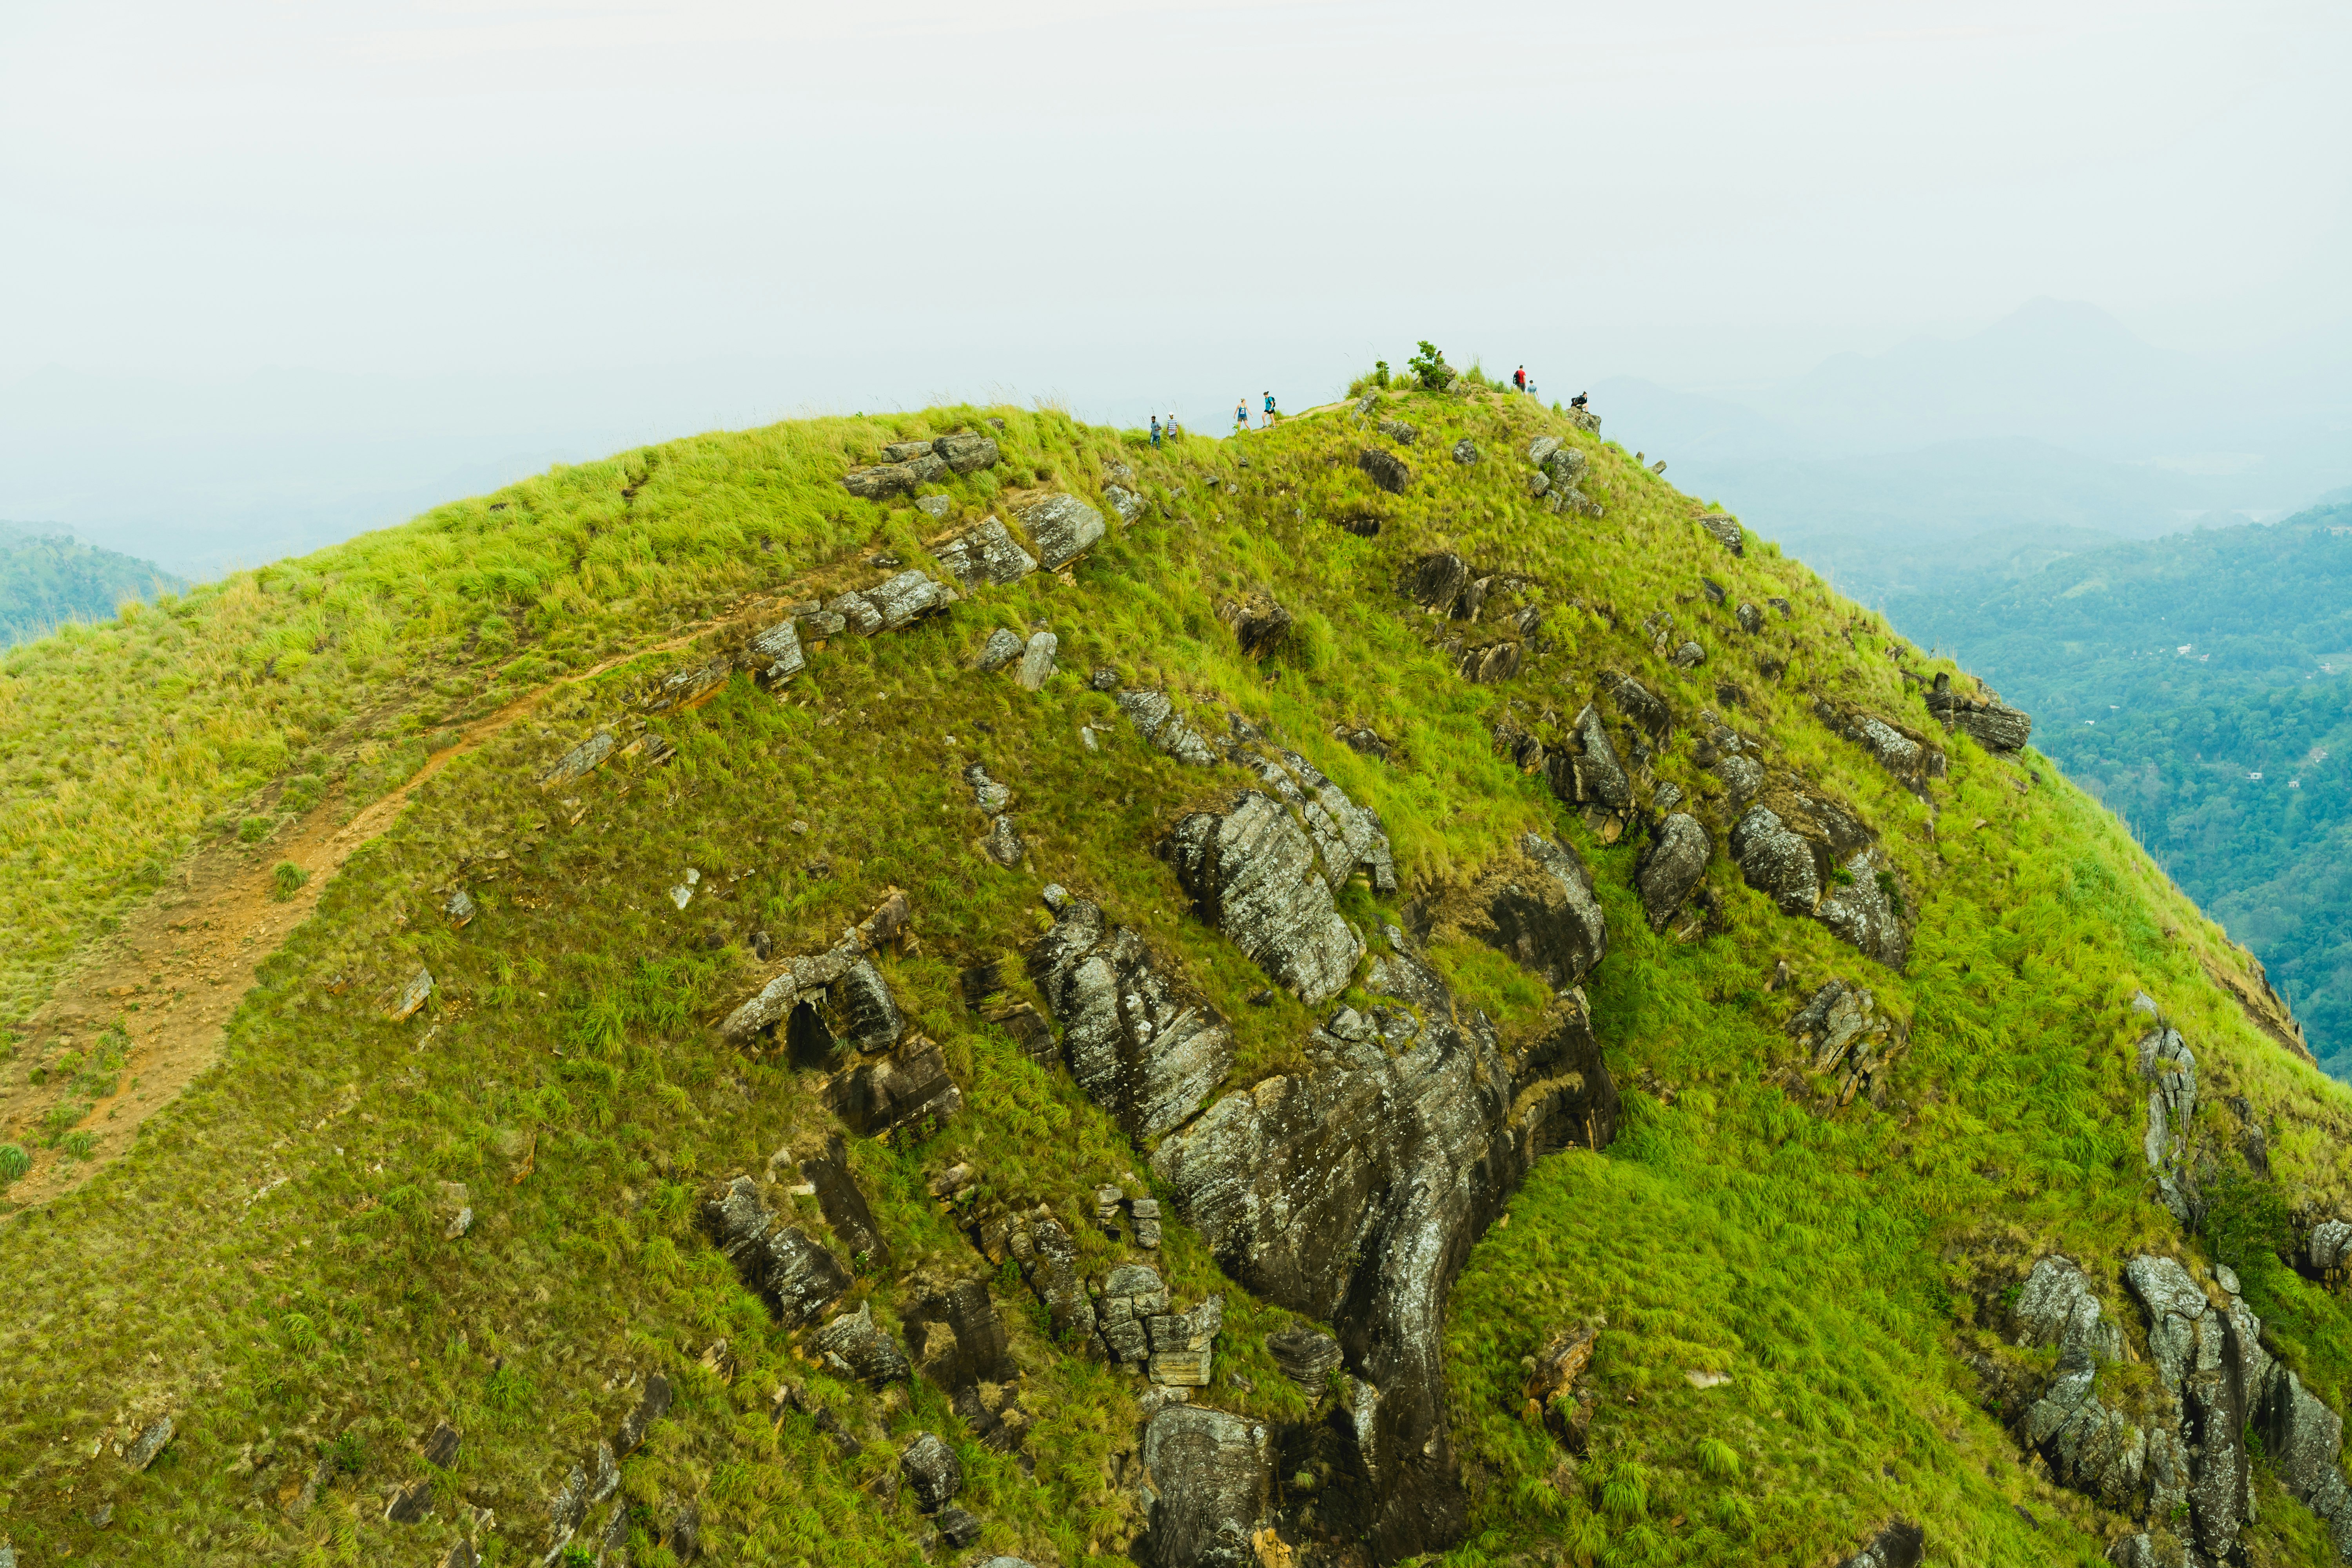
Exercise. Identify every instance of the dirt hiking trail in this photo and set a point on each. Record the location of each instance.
(178, 967)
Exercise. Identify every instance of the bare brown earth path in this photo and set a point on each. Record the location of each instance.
(177, 970)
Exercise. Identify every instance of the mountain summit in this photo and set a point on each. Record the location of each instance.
(966, 987)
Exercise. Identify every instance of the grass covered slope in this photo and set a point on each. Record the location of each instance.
(272, 1265)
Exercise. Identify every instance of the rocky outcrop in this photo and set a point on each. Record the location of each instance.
(1725, 530)
(1063, 527)
(1000, 649)
(1252, 871)
(1812, 857)
(1539, 907)
(1986, 719)
(1901, 751)
(1143, 1049)
(908, 1086)
(1384, 468)
(2183, 1461)
(1348, 837)
(798, 1278)
(1672, 865)
(1207, 1479)
(842, 1201)
(1397, 430)
(1037, 661)
(809, 982)
(855, 1346)
(1466, 450)
(2170, 1069)
(1156, 718)
(985, 555)
(1350, 1192)
(908, 464)
(1585, 769)
(1901, 1544)
(1306, 1356)
(1843, 1032)
(1258, 623)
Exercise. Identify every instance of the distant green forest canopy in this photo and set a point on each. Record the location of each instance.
(48, 578)
(2201, 685)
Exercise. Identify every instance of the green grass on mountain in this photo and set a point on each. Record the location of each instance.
(269, 1261)
(2201, 686)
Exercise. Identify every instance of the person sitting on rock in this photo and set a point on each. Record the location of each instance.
(1577, 401)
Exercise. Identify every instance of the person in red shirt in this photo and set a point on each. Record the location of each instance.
(1519, 378)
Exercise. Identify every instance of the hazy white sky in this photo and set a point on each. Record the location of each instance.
(1133, 202)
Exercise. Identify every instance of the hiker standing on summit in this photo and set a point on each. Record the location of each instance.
(1241, 416)
(1269, 410)
(1155, 429)
(1519, 378)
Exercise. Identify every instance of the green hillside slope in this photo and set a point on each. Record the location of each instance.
(1370, 991)
(48, 579)
(2201, 686)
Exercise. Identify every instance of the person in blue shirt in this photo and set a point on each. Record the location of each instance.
(1269, 410)
(1155, 429)
(1241, 415)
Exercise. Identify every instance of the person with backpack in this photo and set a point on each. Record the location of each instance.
(1519, 378)
(1269, 410)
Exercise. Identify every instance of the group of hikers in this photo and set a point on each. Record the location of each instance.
(1519, 382)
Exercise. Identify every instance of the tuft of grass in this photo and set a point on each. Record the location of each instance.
(13, 1162)
(286, 880)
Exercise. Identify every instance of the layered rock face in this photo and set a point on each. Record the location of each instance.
(1987, 719)
(1252, 872)
(1352, 1192)
(2181, 1464)
(1137, 1044)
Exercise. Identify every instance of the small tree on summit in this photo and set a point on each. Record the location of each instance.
(1430, 366)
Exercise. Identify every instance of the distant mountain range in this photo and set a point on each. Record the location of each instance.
(2053, 431)
(47, 578)
(2201, 685)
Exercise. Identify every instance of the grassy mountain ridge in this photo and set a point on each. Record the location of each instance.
(1794, 1284)
(2199, 685)
(48, 579)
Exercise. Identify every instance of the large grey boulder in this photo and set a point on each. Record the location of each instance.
(985, 555)
(2204, 1367)
(1441, 584)
(1259, 624)
(1397, 430)
(775, 654)
(1000, 649)
(966, 454)
(1037, 661)
(1350, 1192)
(1156, 717)
(1206, 1478)
(1252, 872)
(843, 1201)
(1991, 723)
(1124, 501)
(1775, 861)
(857, 613)
(1725, 530)
(1143, 1049)
(1674, 863)
(1643, 706)
(1902, 753)
(1586, 772)
(1466, 450)
(956, 1337)
(2304, 1441)
(933, 1472)
(1063, 527)
(901, 600)
(1384, 468)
